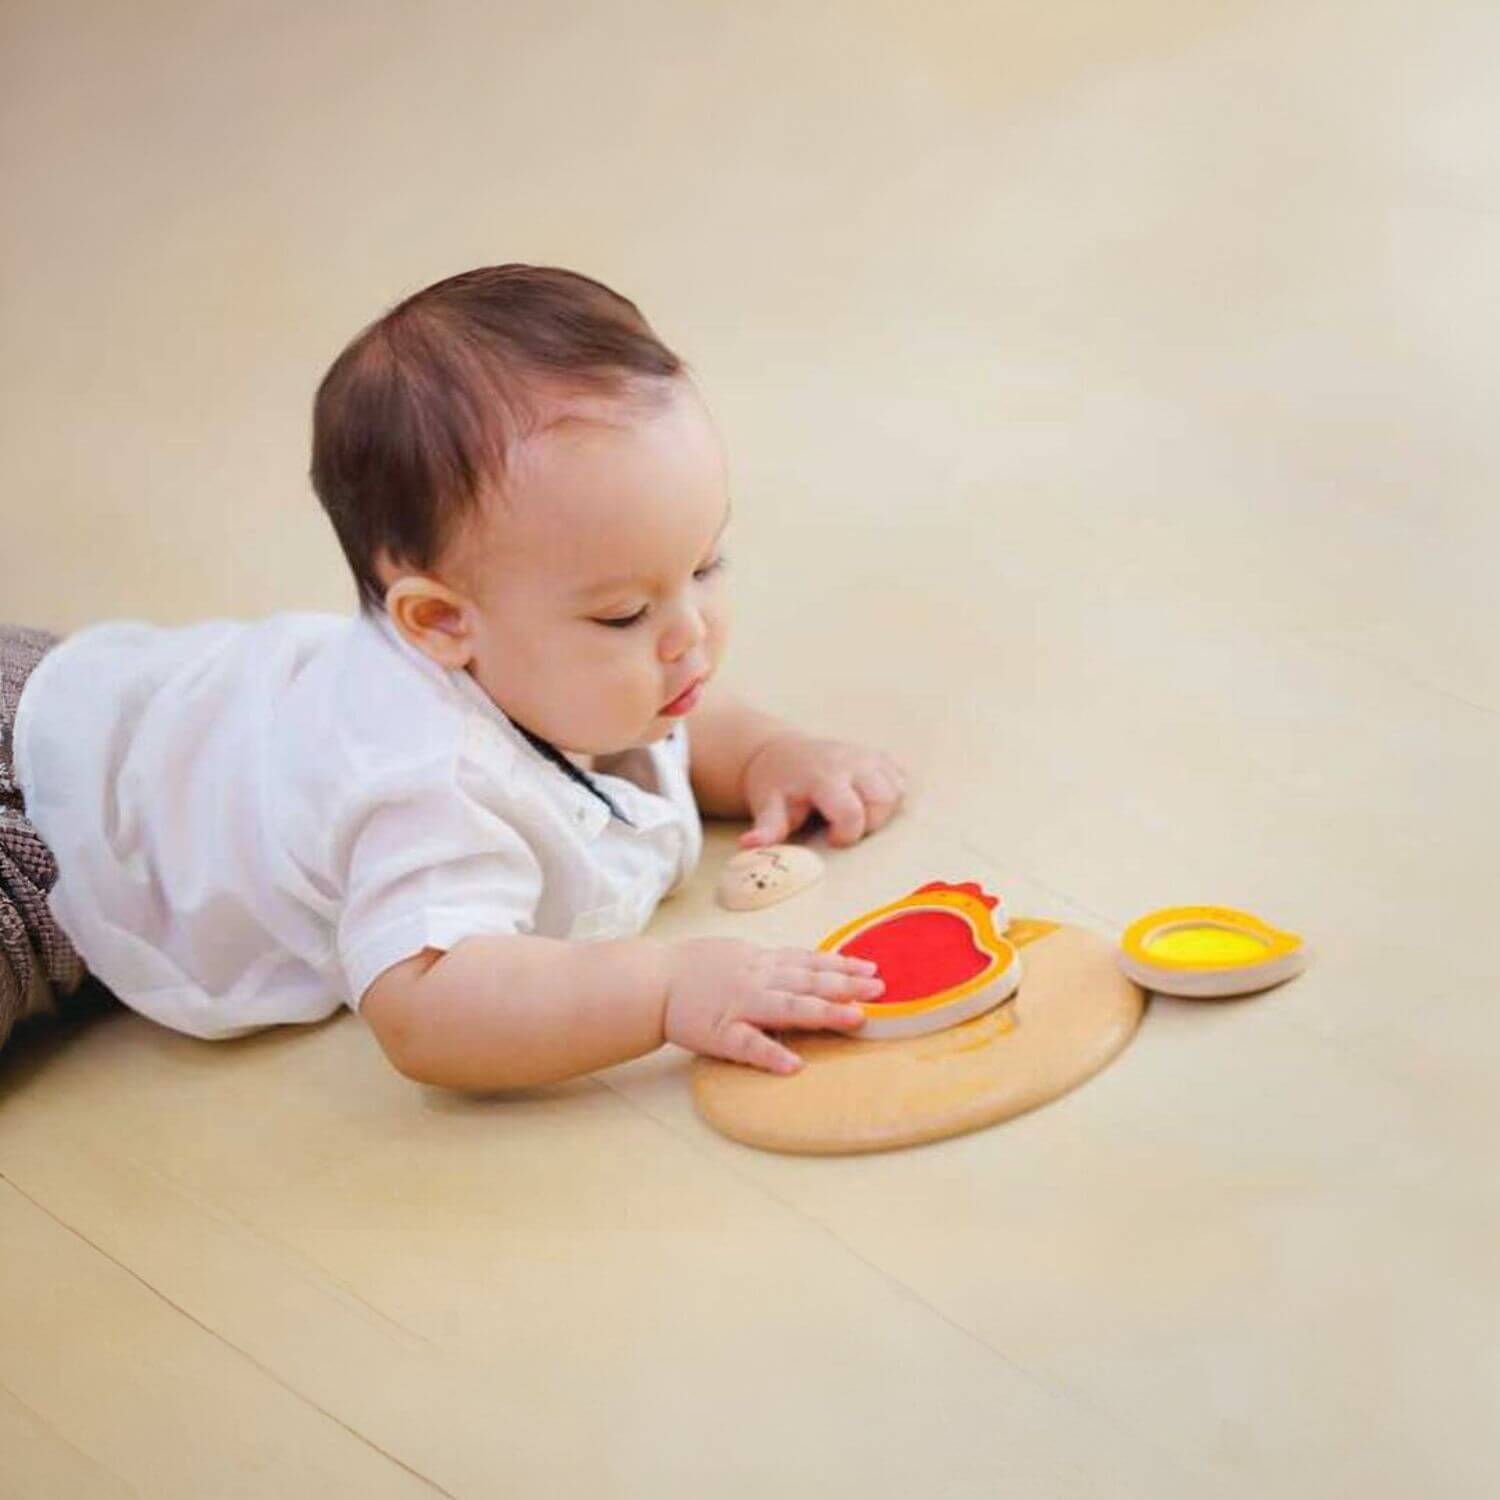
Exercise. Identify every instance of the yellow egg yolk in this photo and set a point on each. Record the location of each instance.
(1205, 945)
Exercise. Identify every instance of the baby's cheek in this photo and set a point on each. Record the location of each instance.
(638, 682)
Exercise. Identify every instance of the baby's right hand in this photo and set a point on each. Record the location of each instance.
(721, 990)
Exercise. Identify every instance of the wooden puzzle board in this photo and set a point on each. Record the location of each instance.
(1073, 1013)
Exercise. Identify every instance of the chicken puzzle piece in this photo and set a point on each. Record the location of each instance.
(940, 954)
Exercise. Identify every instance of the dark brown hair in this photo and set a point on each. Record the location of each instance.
(413, 422)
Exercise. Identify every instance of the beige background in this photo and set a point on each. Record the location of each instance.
(1110, 391)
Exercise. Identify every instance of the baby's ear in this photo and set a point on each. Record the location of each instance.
(434, 619)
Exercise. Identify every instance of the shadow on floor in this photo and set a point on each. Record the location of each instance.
(36, 1040)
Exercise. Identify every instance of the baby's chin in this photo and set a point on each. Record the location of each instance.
(658, 729)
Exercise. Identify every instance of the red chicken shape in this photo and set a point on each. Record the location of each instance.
(940, 953)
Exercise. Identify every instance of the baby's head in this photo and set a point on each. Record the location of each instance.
(528, 482)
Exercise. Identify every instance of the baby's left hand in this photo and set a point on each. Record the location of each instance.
(855, 789)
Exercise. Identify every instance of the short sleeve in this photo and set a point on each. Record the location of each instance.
(428, 866)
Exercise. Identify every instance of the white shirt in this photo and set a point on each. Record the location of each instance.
(252, 820)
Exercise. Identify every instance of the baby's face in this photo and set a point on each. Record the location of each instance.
(596, 585)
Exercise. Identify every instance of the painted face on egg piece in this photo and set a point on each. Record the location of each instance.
(760, 877)
(759, 871)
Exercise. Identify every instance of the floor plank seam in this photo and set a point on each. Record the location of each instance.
(1056, 1391)
(320, 1273)
(213, 1333)
(1402, 674)
(227, 1218)
(62, 1437)
(1108, 924)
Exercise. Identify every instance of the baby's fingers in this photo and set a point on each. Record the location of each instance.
(787, 1008)
(743, 1043)
(830, 984)
(816, 958)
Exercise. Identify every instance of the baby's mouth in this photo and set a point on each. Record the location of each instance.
(685, 699)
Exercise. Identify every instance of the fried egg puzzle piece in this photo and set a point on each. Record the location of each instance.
(1208, 952)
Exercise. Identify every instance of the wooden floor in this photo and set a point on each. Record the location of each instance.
(1110, 391)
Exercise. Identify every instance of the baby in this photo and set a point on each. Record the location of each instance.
(456, 810)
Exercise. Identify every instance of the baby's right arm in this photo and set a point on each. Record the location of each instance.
(503, 1012)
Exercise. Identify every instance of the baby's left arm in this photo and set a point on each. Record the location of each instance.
(743, 762)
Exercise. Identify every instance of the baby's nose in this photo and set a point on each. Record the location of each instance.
(691, 631)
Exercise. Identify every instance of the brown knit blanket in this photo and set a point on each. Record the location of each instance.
(37, 962)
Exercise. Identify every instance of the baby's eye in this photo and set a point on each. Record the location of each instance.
(624, 620)
(706, 571)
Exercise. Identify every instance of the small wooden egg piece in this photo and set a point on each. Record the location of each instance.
(761, 877)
